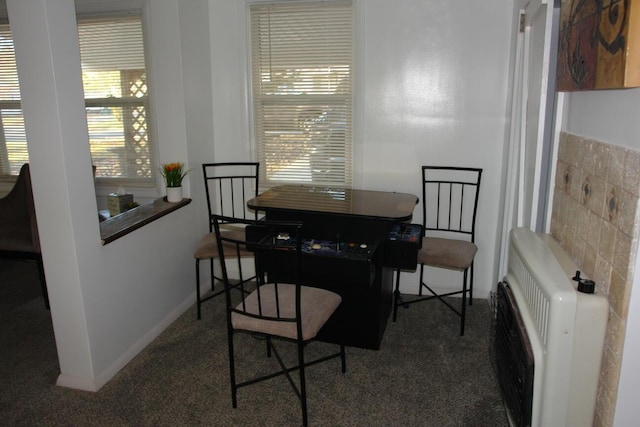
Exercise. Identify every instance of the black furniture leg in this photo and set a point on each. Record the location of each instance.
(303, 384)
(43, 282)
(396, 295)
(471, 286)
(198, 302)
(213, 277)
(463, 310)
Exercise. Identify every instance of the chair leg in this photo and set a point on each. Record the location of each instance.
(198, 302)
(466, 288)
(463, 308)
(396, 296)
(303, 384)
(268, 342)
(43, 282)
(199, 299)
(343, 359)
(471, 285)
(213, 277)
(232, 369)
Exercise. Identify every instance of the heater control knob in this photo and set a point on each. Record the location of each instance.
(586, 286)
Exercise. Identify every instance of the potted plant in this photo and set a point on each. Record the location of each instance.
(173, 174)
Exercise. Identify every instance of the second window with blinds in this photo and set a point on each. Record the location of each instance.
(116, 95)
(301, 63)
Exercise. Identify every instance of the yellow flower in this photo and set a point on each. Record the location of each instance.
(173, 173)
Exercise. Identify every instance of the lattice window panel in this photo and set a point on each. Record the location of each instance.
(137, 156)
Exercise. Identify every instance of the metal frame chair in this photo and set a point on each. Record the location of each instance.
(278, 306)
(228, 186)
(449, 208)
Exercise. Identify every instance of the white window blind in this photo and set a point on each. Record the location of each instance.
(13, 142)
(302, 91)
(116, 95)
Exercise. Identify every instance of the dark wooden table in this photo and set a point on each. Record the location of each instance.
(351, 227)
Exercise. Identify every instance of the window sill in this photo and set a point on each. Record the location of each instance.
(123, 224)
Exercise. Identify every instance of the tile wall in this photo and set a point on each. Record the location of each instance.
(595, 219)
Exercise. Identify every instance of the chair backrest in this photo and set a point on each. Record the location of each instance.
(228, 186)
(18, 225)
(450, 201)
(277, 254)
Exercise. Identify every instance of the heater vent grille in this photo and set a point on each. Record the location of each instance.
(565, 331)
(537, 302)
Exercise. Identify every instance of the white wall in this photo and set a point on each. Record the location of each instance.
(431, 80)
(432, 83)
(434, 93)
(197, 83)
(611, 116)
(431, 87)
(107, 302)
(231, 135)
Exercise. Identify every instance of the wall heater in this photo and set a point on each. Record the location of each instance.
(549, 335)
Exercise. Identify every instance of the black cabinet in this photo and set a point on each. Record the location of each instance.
(365, 288)
(345, 233)
(402, 245)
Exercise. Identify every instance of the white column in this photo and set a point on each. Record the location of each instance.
(48, 58)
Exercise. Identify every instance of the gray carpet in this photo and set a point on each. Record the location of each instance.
(424, 375)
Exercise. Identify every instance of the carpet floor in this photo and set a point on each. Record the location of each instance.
(425, 374)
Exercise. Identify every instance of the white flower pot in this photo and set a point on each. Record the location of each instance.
(174, 194)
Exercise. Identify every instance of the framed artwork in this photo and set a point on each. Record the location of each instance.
(599, 45)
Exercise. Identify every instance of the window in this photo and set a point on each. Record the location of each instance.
(301, 56)
(13, 142)
(116, 97)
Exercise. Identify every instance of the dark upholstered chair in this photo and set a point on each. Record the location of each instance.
(228, 186)
(449, 207)
(18, 226)
(277, 308)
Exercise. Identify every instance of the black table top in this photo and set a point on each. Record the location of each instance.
(381, 205)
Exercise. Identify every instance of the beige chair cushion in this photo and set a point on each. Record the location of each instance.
(446, 253)
(208, 246)
(316, 306)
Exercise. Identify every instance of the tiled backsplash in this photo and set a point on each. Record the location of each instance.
(595, 219)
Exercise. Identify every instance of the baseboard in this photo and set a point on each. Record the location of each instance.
(93, 385)
(78, 383)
